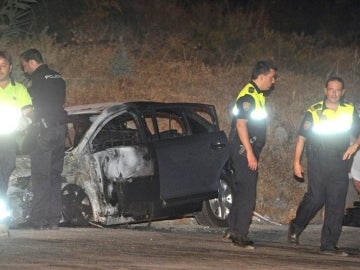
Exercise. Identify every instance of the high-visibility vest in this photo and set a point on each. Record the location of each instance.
(326, 121)
(260, 110)
(13, 98)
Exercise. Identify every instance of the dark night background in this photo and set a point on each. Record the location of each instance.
(337, 18)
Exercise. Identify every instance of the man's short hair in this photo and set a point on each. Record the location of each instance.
(32, 54)
(262, 67)
(7, 56)
(335, 78)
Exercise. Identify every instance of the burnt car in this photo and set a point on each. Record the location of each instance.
(138, 161)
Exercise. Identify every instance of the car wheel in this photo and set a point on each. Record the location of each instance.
(215, 211)
(76, 208)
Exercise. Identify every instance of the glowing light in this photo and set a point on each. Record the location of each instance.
(259, 114)
(9, 118)
(235, 111)
(4, 211)
(334, 126)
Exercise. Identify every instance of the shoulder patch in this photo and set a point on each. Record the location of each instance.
(246, 106)
(251, 90)
(307, 125)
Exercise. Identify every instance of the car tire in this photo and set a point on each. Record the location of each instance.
(215, 211)
(76, 206)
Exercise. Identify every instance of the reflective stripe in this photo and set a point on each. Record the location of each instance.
(326, 121)
(260, 110)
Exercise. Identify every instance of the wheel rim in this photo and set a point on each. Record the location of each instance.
(221, 205)
(76, 205)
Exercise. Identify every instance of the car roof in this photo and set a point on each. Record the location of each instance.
(97, 108)
(94, 108)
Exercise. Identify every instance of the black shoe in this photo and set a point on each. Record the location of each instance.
(26, 225)
(334, 252)
(227, 235)
(53, 227)
(31, 226)
(293, 237)
(242, 241)
(40, 227)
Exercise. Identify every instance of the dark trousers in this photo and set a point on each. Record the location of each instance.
(327, 186)
(244, 199)
(47, 160)
(7, 165)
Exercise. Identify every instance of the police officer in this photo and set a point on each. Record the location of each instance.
(15, 102)
(326, 127)
(47, 91)
(246, 139)
(355, 172)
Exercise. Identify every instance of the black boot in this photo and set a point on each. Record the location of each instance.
(243, 241)
(293, 237)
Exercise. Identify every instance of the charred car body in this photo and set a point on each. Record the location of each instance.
(138, 161)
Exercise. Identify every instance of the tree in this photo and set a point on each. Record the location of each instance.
(15, 17)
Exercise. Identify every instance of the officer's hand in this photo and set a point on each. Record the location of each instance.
(252, 161)
(350, 151)
(299, 179)
(298, 172)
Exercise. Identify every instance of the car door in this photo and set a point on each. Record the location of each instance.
(124, 165)
(189, 164)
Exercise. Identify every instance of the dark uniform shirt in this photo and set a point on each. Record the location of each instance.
(48, 95)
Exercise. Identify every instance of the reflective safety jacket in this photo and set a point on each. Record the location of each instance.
(260, 109)
(13, 99)
(330, 130)
(16, 95)
(328, 122)
(251, 102)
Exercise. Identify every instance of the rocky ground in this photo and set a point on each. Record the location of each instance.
(177, 244)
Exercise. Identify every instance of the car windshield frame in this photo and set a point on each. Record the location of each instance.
(77, 126)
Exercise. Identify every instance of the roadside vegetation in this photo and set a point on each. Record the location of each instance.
(171, 51)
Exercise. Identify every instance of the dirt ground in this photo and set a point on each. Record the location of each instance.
(176, 244)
